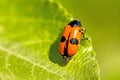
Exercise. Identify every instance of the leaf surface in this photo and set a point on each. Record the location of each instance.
(29, 37)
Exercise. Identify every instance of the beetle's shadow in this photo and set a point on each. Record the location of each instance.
(54, 54)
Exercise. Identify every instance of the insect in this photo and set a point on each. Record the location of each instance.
(70, 39)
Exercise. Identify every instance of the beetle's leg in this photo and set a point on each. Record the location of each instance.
(83, 34)
(67, 59)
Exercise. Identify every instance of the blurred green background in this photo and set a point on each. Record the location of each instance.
(101, 18)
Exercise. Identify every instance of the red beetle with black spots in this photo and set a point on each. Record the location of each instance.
(70, 39)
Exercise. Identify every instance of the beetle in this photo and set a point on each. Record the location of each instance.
(70, 39)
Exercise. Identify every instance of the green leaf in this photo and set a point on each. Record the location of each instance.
(29, 37)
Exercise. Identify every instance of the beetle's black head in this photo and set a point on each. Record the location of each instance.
(75, 23)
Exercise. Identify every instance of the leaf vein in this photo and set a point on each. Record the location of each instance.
(28, 60)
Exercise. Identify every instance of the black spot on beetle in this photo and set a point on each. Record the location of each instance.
(80, 30)
(62, 39)
(74, 41)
